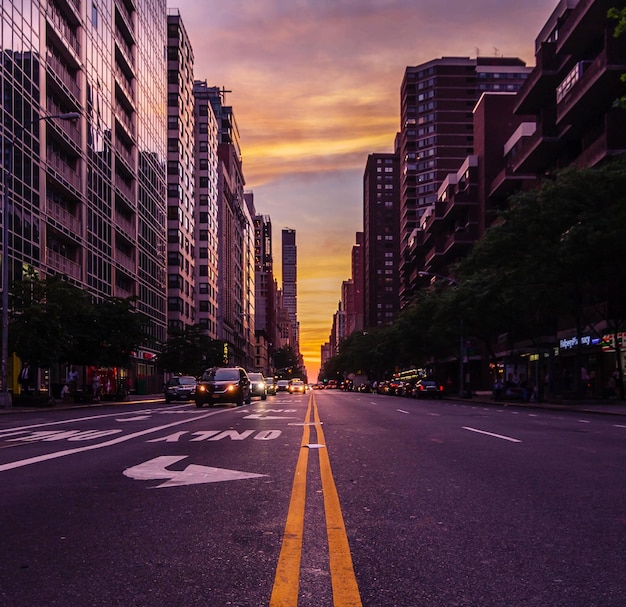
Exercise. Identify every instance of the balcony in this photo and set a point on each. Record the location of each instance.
(538, 151)
(586, 21)
(63, 78)
(64, 31)
(125, 225)
(128, 263)
(63, 265)
(125, 189)
(63, 171)
(610, 142)
(540, 82)
(63, 217)
(592, 87)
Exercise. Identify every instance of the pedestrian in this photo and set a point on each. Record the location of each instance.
(95, 387)
(25, 378)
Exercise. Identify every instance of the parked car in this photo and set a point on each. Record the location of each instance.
(223, 385)
(258, 387)
(182, 387)
(282, 385)
(297, 386)
(428, 388)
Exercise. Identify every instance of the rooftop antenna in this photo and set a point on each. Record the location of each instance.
(223, 92)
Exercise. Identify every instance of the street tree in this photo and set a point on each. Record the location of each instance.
(46, 318)
(190, 351)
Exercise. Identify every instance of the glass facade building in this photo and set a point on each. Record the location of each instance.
(87, 197)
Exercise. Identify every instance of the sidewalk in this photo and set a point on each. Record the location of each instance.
(607, 407)
(60, 405)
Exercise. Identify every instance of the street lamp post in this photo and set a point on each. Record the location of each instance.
(9, 144)
(454, 283)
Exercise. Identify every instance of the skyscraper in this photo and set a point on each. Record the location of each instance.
(181, 244)
(88, 199)
(381, 239)
(290, 283)
(437, 102)
(206, 211)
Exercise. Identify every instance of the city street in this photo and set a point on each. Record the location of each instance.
(322, 499)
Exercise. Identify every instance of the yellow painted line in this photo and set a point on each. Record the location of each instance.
(287, 578)
(344, 584)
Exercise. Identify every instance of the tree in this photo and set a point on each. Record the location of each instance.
(46, 317)
(53, 322)
(287, 362)
(190, 351)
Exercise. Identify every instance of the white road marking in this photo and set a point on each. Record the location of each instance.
(109, 443)
(192, 475)
(402, 411)
(255, 416)
(508, 438)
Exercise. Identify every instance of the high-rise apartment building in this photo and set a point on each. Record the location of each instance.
(290, 282)
(573, 89)
(235, 235)
(265, 329)
(381, 239)
(206, 211)
(355, 312)
(181, 243)
(88, 198)
(437, 102)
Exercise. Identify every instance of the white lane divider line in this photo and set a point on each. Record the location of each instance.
(402, 411)
(508, 438)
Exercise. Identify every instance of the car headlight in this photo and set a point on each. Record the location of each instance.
(201, 388)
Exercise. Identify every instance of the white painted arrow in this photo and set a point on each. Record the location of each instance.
(192, 475)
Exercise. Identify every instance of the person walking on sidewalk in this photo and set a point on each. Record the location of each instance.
(25, 379)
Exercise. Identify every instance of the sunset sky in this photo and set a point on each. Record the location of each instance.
(315, 89)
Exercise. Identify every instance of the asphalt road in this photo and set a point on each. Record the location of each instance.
(325, 499)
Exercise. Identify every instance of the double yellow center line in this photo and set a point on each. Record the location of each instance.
(287, 579)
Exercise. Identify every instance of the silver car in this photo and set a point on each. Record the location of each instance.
(258, 386)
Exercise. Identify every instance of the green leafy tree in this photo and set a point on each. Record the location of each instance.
(287, 362)
(46, 316)
(190, 351)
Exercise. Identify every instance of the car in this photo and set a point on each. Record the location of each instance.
(223, 385)
(258, 387)
(428, 388)
(282, 385)
(297, 386)
(271, 388)
(182, 387)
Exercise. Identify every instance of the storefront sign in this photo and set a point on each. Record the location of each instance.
(608, 341)
(569, 343)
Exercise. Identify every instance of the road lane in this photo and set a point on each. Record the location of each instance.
(433, 514)
(345, 590)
